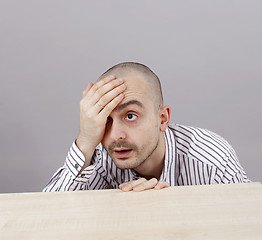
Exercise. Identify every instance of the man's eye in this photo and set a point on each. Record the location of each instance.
(131, 117)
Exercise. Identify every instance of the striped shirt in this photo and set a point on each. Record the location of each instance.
(193, 156)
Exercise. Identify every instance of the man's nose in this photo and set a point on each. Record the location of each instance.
(117, 131)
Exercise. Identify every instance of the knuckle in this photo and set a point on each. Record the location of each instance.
(103, 100)
(99, 91)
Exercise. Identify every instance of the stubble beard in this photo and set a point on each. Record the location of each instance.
(134, 163)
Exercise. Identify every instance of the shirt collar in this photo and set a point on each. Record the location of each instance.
(169, 170)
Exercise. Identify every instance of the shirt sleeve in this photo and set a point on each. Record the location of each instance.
(231, 172)
(65, 178)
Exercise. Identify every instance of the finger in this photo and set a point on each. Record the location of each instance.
(99, 84)
(108, 97)
(89, 86)
(161, 185)
(91, 98)
(103, 91)
(128, 186)
(107, 109)
(146, 185)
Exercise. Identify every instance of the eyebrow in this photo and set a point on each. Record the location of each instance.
(131, 102)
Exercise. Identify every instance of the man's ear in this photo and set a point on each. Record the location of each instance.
(164, 115)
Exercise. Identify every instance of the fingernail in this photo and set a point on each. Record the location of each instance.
(120, 80)
(122, 87)
(111, 77)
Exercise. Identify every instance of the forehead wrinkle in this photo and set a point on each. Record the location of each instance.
(131, 102)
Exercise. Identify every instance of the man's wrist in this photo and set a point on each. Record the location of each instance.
(75, 160)
(86, 150)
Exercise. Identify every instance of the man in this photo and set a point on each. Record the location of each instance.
(125, 140)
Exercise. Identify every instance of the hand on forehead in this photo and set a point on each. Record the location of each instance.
(139, 79)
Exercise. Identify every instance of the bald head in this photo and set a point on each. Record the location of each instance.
(122, 70)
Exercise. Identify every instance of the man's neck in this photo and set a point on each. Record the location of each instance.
(153, 166)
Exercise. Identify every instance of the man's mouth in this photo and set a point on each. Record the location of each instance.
(122, 152)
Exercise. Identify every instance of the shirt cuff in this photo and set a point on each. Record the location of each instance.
(75, 160)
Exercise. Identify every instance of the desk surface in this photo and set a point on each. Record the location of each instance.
(191, 212)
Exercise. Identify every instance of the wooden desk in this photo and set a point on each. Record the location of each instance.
(193, 212)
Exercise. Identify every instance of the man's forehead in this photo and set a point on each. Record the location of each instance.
(127, 103)
(136, 84)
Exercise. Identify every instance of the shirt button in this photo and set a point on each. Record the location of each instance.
(82, 175)
(77, 166)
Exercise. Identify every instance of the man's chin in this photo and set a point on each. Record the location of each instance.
(127, 163)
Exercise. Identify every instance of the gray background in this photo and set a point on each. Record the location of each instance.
(206, 53)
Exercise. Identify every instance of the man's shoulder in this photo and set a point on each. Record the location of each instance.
(201, 144)
(190, 131)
